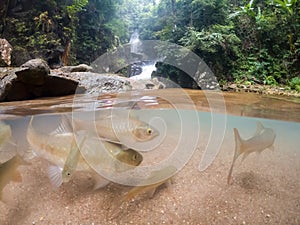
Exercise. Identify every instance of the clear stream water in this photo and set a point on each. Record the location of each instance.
(186, 126)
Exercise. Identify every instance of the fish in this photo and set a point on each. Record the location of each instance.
(114, 159)
(9, 172)
(263, 139)
(155, 180)
(5, 135)
(58, 148)
(71, 162)
(112, 128)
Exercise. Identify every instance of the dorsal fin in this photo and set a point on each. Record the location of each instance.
(65, 126)
(259, 128)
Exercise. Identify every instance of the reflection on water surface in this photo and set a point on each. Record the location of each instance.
(241, 104)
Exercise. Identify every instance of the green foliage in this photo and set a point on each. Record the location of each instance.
(76, 7)
(295, 83)
(243, 40)
(217, 45)
(270, 80)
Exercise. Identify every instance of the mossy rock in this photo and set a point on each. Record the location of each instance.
(19, 56)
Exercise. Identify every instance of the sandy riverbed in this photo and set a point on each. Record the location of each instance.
(266, 190)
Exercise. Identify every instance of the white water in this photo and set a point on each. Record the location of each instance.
(135, 47)
(135, 42)
(146, 72)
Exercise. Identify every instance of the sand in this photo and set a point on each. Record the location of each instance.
(266, 190)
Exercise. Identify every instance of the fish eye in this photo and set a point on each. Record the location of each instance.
(68, 173)
(149, 131)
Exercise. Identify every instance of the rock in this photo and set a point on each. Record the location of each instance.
(35, 72)
(135, 69)
(164, 82)
(95, 83)
(146, 84)
(78, 68)
(5, 50)
(19, 56)
(14, 89)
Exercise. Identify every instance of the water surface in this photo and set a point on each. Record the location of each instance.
(266, 188)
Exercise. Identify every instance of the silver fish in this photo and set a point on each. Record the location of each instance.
(59, 147)
(5, 133)
(9, 172)
(112, 128)
(263, 138)
(155, 180)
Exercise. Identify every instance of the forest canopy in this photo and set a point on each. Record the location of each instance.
(241, 41)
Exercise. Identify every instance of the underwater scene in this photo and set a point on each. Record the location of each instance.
(152, 157)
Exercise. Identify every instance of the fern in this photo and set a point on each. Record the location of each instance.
(76, 7)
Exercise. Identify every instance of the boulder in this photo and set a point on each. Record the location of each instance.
(78, 68)
(14, 89)
(147, 84)
(96, 83)
(5, 52)
(34, 71)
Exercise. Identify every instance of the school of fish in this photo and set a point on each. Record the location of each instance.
(71, 149)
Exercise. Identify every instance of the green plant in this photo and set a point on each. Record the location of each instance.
(295, 83)
(76, 7)
(270, 80)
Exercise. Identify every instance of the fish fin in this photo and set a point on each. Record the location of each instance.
(272, 148)
(132, 193)
(259, 128)
(27, 155)
(12, 143)
(65, 126)
(17, 177)
(237, 153)
(124, 147)
(152, 192)
(245, 156)
(100, 182)
(111, 141)
(238, 143)
(55, 175)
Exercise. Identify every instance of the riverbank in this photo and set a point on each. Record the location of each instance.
(260, 89)
(34, 79)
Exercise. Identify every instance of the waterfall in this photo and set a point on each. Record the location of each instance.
(140, 70)
(146, 70)
(135, 42)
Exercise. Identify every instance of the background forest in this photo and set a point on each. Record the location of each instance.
(241, 41)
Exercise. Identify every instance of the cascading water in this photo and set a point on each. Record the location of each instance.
(140, 70)
(135, 42)
(147, 68)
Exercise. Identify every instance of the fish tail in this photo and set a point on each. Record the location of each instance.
(238, 151)
(1, 195)
(238, 143)
(30, 122)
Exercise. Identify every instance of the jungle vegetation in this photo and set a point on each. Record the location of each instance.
(241, 41)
